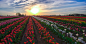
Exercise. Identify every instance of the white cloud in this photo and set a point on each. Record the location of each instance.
(58, 6)
(60, 2)
(16, 1)
(78, 9)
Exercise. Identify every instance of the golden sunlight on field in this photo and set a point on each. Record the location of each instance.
(35, 10)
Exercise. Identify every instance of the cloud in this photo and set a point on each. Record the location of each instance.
(46, 6)
(78, 9)
(16, 1)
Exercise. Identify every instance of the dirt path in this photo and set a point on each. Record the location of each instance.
(38, 40)
(23, 38)
(37, 36)
(56, 38)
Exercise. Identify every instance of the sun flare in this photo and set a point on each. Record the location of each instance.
(35, 10)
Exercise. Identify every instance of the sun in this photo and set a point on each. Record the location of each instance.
(35, 10)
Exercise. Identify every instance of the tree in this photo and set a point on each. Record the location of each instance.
(18, 14)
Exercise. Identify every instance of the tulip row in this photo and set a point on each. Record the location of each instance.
(8, 29)
(30, 33)
(44, 34)
(9, 21)
(2, 20)
(15, 34)
(61, 32)
(72, 27)
(71, 17)
(7, 17)
(12, 24)
(67, 20)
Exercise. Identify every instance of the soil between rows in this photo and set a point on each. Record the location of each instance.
(23, 38)
(38, 40)
(56, 39)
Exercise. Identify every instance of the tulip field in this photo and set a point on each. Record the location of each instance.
(42, 30)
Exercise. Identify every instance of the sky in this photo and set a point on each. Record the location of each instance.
(47, 7)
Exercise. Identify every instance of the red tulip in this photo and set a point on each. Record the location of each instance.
(2, 32)
(6, 41)
(33, 43)
(30, 41)
(56, 43)
(32, 32)
(3, 43)
(50, 41)
(11, 40)
(53, 38)
(2, 39)
(25, 42)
